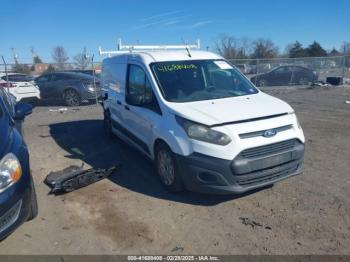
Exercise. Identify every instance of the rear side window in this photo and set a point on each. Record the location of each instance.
(43, 78)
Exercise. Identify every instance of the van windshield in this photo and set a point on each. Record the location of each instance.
(187, 81)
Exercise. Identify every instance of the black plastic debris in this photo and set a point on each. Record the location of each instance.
(74, 177)
(249, 222)
(335, 81)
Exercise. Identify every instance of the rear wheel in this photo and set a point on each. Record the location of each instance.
(71, 97)
(167, 168)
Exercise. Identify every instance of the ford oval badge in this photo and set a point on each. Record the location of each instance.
(270, 133)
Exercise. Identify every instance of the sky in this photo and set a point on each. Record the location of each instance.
(75, 24)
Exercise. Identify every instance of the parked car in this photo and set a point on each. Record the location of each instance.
(20, 85)
(205, 126)
(17, 194)
(286, 75)
(72, 87)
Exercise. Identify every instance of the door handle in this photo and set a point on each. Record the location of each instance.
(118, 102)
(127, 107)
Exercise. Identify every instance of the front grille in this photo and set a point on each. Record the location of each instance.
(261, 132)
(10, 216)
(268, 149)
(269, 174)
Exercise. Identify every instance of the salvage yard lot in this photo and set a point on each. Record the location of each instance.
(132, 213)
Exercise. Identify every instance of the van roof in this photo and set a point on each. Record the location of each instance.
(148, 57)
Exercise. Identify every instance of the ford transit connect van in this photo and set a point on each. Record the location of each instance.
(203, 123)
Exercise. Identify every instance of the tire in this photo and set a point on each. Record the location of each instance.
(167, 168)
(33, 203)
(107, 124)
(71, 97)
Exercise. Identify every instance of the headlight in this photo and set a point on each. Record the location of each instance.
(202, 132)
(10, 171)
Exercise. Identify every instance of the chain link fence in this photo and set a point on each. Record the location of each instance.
(293, 71)
(262, 72)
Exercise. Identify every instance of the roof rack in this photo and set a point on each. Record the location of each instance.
(123, 48)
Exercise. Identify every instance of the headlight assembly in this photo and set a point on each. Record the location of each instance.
(10, 171)
(202, 132)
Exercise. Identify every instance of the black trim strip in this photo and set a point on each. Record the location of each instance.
(249, 120)
(261, 132)
(130, 135)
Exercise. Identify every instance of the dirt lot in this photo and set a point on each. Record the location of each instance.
(132, 213)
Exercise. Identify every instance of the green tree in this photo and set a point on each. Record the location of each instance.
(37, 60)
(316, 50)
(334, 52)
(296, 50)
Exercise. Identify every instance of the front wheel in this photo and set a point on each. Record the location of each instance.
(71, 97)
(167, 168)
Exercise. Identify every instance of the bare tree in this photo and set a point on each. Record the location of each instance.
(233, 48)
(82, 60)
(59, 55)
(264, 48)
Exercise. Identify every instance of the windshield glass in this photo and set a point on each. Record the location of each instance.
(186, 81)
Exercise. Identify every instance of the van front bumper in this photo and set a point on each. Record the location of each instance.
(249, 170)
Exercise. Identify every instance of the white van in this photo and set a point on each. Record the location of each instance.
(204, 124)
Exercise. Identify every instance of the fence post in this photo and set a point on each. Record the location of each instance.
(7, 76)
(257, 71)
(344, 60)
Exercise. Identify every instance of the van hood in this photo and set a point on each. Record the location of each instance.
(220, 111)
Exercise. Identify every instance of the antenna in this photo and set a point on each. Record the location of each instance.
(125, 48)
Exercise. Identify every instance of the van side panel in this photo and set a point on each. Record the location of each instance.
(113, 83)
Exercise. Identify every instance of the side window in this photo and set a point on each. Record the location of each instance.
(138, 83)
(43, 78)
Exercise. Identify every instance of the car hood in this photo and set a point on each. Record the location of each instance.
(226, 110)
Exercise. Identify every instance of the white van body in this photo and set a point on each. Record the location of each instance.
(217, 145)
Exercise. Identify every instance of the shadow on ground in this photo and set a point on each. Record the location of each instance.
(86, 141)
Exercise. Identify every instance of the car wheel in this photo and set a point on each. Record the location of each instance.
(33, 203)
(107, 124)
(167, 168)
(71, 97)
(262, 82)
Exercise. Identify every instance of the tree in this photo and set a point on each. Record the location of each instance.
(316, 50)
(37, 60)
(264, 48)
(59, 55)
(334, 52)
(82, 60)
(296, 50)
(233, 48)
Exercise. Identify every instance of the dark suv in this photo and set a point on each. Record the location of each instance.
(17, 194)
(72, 87)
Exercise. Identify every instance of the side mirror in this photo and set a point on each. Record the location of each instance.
(22, 110)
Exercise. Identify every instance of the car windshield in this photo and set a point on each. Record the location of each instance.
(187, 81)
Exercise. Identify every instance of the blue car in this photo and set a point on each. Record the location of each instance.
(17, 194)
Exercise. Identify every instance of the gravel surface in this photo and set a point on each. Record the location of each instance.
(131, 212)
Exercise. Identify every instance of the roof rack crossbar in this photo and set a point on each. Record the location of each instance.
(123, 48)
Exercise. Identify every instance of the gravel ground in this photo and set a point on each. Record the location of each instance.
(131, 213)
